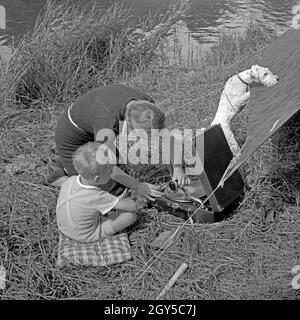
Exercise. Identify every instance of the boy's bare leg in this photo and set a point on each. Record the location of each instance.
(117, 221)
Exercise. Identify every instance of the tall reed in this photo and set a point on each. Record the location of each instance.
(74, 48)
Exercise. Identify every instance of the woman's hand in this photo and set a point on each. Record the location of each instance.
(149, 191)
(180, 177)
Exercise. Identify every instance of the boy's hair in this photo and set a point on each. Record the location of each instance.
(142, 114)
(90, 161)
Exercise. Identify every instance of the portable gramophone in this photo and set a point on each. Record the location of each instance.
(207, 205)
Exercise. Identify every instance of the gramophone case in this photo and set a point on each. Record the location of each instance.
(215, 159)
(214, 155)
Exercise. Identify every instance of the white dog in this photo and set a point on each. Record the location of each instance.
(235, 95)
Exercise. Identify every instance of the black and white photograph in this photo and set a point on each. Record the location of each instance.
(150, 154)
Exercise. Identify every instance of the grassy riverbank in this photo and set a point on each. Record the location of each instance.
(249, 256)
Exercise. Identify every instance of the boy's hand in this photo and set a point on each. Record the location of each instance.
(149, 191)
(141, 201)
(180, 177)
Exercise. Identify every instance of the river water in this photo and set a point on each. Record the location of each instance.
(203, 23)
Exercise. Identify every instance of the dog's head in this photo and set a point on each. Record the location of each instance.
(263, 76)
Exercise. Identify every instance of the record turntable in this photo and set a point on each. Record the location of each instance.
(206, 205)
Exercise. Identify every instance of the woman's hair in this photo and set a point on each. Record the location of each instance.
(142, 114)
(89, 160)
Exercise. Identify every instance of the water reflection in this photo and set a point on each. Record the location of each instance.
(204, 21)
(208, 18)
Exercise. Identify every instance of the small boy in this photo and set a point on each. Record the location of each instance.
(84, 211)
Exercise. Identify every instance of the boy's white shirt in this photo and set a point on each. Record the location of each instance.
(85, 185)
(82, 232)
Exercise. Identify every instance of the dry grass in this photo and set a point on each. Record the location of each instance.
(73, 49)
(249, 256)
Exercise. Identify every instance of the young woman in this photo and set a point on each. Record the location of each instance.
(104, 110)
